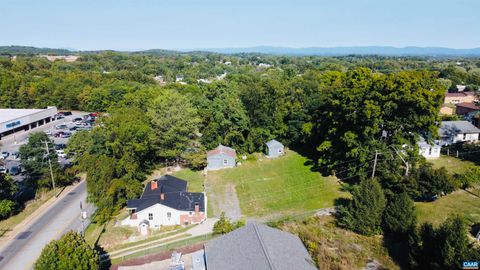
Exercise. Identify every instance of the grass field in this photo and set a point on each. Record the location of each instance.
(452, 164)
(281, 186)
(195, 179)
(461, 202)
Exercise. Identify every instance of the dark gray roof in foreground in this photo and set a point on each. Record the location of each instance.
(257, 246)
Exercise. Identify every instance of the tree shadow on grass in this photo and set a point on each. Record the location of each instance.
(310, 153)
(397, 250)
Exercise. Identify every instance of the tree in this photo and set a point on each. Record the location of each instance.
(224, 225)
(399, 216)
(364, 212)
(71, 251)
(433, 182)
(8, 188)
(445, 247)
(34, 160)
(175, 123)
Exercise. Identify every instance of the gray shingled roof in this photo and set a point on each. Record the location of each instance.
(274, 143)
(257, 246)
(449, 128)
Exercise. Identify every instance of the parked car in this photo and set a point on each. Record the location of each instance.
(58, 116)
(60, 146)
(65, 135)
(4, 155)
(61, 154)
(67, 113)
(61, 127)
(16, 155)
(15, 170)
(3, 169)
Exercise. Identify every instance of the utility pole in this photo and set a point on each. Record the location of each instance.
(375, 163)
(83, 216)
(50, 163)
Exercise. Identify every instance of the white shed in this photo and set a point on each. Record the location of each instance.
(429, 150)
(275, 149)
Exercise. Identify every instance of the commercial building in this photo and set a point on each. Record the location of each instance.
(16, 120)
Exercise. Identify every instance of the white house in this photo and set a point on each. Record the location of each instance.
(458, 131)
(165, 201)
(429, 150)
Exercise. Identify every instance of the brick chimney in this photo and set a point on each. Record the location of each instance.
(197, 208)
(162, 195)
(153, 185)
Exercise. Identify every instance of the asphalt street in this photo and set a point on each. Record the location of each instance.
(62, 217)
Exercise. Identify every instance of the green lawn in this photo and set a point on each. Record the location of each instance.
(459, 202)
(194, 178)
(452, 164)
(273, 186)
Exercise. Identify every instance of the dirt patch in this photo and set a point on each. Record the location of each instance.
(157, 256)
(227, 202)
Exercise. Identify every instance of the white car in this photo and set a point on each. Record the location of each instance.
(61, 154)
(3, 170)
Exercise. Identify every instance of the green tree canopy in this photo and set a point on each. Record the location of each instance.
(364, 212)
(70, 252)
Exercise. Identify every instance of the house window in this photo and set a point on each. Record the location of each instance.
(190, 213)
(150, 216)
(225, 162)
(429, 151)
(280, 150)
(169, 214)
(464, 136)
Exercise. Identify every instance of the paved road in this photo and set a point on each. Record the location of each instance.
(63, 216)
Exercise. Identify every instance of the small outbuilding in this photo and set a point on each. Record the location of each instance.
(275, 149)
(221, 157)
(428, 150)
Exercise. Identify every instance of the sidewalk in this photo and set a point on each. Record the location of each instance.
(202, 229)
(22, 226)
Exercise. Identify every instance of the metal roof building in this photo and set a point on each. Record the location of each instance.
(15, 120)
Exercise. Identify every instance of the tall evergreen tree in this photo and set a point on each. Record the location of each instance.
(399, 216)
(364, 212)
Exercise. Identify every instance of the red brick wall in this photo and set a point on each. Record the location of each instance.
(196, 217)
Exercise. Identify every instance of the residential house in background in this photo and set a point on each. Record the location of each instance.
(254, 246)
(275, 149)
(459, 97)
(166, 201)
(221, 157)
(458, 131)
(466, 108)
(428, 150)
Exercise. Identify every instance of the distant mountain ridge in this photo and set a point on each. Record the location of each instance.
(339, 51)
(314, 51)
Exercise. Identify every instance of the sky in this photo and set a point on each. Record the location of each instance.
(193, 24)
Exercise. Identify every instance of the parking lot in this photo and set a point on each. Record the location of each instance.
(59, 131)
